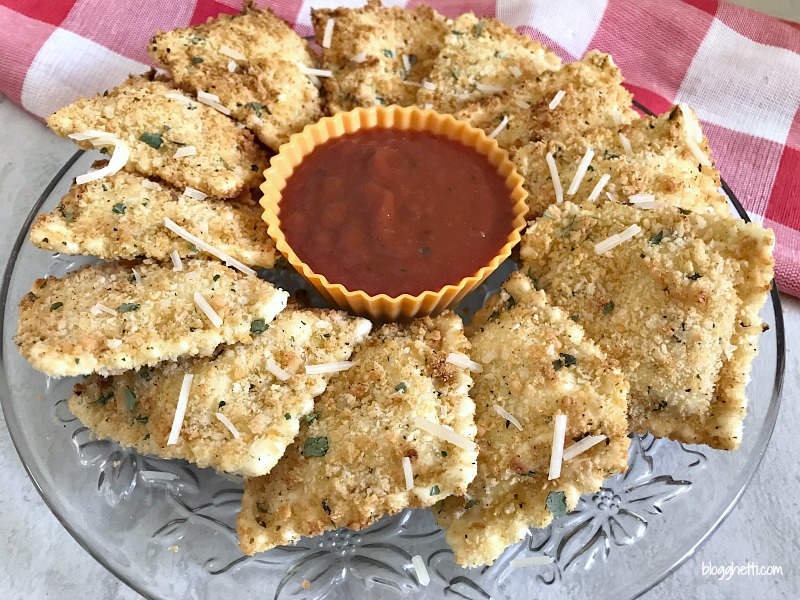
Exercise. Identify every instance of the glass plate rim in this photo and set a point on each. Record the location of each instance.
(35, 475)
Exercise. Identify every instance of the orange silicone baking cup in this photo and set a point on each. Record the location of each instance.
(381, 306)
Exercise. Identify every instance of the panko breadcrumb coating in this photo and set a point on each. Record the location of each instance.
(677, 305)
(228, 160)
(367, 51)
(120, 217)
(537, 364)
(265, 90)
(660, 163)
(479, 53)
(346, 467)
(60, 334)
(593, 97)
(137, 408)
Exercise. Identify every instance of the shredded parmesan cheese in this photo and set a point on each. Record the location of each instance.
(446, 434)
(328, 35)
(331, 367)
(522, 104)
(617, 239)
(315, 72)
(118, 159)
(406, 63)
(421, 570)
(212, 100)
(615, 114)
(507, 416)
(180, 410)
(428, 106)
(98, 308)
(212, 315)
(499, 128)
(193, 193)
(359, 57)
(150, 185)
(582, 446)
(557, 99)
(515, 71)
(205, 247)
(557, 451)
(137, 277)
(533, 561)
(599, 187)
(181, 98)
(227, 422)
(639, 198)
(231, 53)
(580, 173)
(551, 164)
(185, 151)
(232, 66)
(428, 85)
(487, 88)
(177, 264)
(694, 135)
(460, 360)
(610, 197)
(626, 143)
(412, 83)
(408, 473)
(275, 369)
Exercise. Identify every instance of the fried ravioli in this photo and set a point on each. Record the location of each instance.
(99, 319)
(537, 363)
(262, 87)
(137, 408)
(122, 217)
(228, 160)
(593, 97)
(660, 162)
(378, 55)
(677, 305)
(482, 57)
(346, 467)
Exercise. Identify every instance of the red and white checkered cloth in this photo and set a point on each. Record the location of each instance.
(739, 69)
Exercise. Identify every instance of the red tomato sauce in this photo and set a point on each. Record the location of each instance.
(395, 212)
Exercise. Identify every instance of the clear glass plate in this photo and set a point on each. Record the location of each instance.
(167, 528)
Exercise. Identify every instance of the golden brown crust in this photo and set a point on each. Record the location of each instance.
(677, 306)
(266, 91)
(118, 217)
(660, 163)
(140, 408)
(593, 97)
(59, 334)
(521, 341)
(366, 419)
(383, 35)
(228, 160)
(480, 52)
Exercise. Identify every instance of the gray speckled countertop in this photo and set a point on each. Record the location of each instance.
(42, 561)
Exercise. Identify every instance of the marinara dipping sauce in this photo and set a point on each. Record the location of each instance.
(395, 212)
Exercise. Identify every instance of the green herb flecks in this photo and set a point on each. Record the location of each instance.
(127, 307)
(257, 108)
(130, 399)
(444, 453)
(311, 417)
(142, 420)
(566, 360)
(325, 506)
(258, 326)
(435, 491)
(557, 504)
(154, 140)
(221, 404)
(56, 306)
(197, 59)
(456, 32)
(401, 387)
(388, 53)
(103, 400)
(694, 276)
(479, 28)
(494, 316)
(215, 278)
(656, 239)
(470, 503)
(118, 209)
(608, 308)
(32, 297)
(661, 405)
(287, 416)
(315, 446)
(144, 373)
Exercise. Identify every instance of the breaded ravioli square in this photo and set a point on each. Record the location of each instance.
(537, 363)
(250, 61)
(378, 55)
(239, 383)
(651, 155)
(227, 162)
(100, 319)
(593, 97)
(677, 305)
(346, 467)
(122, 217)
(482, 57)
